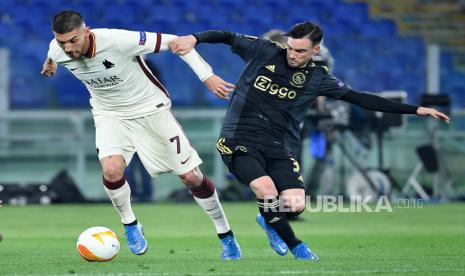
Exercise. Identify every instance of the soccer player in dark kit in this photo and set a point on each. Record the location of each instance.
(260, 133)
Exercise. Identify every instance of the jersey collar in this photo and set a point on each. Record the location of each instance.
(310, 64)
(91, 50)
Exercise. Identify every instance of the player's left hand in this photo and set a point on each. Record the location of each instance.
(433, 112)
(219, 87)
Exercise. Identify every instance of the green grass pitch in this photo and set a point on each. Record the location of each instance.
(41, 240)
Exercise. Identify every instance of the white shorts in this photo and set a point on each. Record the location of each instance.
(158, 139)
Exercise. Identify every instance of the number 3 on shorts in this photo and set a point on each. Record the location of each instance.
(296, 165)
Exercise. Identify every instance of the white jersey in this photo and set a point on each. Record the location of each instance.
(119, 82)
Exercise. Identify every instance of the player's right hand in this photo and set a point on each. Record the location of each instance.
(49, 68)
(425, 111)
(219, 87)
(182, 44)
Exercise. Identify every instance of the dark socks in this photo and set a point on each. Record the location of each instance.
(269, 209)
(293, 215)
(224, 235)
(131, 224)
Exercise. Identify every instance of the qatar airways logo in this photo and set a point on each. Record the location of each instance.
(105, 82)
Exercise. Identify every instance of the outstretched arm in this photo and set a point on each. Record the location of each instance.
(202, 69)
(183, 44)
(377, 103)
(49, 67)
(247, 47)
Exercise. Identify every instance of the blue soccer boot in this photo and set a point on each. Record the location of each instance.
(231, 249)
(302, 252)
(278, 245)
(135, 237)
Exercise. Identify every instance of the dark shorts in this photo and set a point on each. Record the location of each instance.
(248, 162)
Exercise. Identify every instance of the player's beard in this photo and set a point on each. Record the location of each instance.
(74, 54)
(294, 64)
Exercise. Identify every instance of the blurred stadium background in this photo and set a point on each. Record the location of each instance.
(416, 46)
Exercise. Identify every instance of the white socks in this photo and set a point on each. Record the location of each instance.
(121, 199)
(212, 206)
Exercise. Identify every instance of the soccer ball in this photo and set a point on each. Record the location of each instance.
(98, 244)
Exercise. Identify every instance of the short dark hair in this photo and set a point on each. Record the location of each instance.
(307, 29)
(275, 35)
(66, 21)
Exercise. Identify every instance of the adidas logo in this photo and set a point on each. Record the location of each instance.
(270, 67)
(275, 219)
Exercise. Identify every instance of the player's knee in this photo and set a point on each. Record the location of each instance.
(191, 179)
(113, 172)
(263, 189)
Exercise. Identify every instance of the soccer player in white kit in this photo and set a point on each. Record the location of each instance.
(131, 111)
